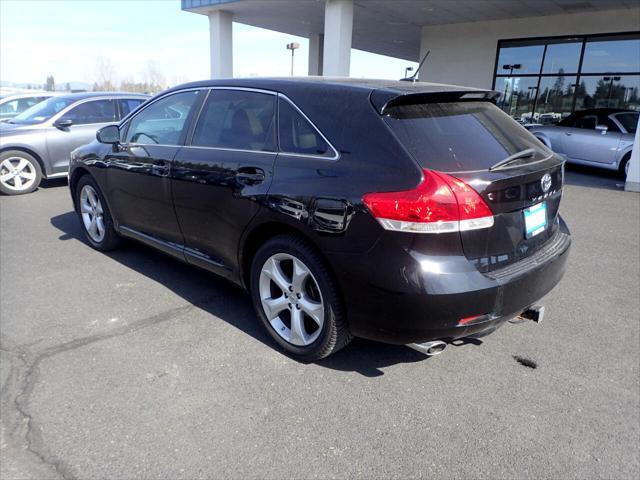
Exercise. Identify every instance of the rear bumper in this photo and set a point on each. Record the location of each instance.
(412, 297)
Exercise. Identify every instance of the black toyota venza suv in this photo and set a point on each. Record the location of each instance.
(395, 211)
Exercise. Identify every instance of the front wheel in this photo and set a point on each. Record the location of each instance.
(19, 173)
(297, 299)
(95, 216)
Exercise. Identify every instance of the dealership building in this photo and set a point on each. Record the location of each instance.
(547, 58)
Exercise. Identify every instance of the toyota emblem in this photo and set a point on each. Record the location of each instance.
(545, 182)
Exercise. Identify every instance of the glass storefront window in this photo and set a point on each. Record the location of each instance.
(528, 57)
(556, 76)
(555, 99)
(609, 91)
(517, 96)
(612, 56)
(562, 58)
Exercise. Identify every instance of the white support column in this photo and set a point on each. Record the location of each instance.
(316, 49)
(338, 29)
(633, 177)
(221, 43)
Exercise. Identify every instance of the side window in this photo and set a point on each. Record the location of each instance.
(610, 124)
(588, 122)
(237, 119)
(26, 103)
(127, 105)
(9, 108)
(162, 121)
(97, 111)
(628, 120)
(297, 135)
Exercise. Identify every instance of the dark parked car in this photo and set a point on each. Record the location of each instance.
(36, 143)
(395, 211)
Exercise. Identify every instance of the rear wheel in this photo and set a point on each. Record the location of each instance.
(19, 173)
(297, 300)
(624, 165)
(95, 216)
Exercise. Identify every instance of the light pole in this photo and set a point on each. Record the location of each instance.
(534, 92)
(407, 70)
(292, 46)
(511, 68)
(610, 80)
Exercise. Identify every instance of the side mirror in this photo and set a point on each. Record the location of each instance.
(63, 123)
(602, 129)
(109, 134)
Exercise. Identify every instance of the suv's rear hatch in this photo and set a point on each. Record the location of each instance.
(515, 174)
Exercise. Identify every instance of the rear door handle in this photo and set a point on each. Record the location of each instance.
(161, 167)
(250, 175)
(568, 134)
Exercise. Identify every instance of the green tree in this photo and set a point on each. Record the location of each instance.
(50, 85)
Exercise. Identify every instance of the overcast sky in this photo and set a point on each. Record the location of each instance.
(65, 39)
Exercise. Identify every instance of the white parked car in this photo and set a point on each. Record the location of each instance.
(15, 103)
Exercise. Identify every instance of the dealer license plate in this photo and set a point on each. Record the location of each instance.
(535, 219)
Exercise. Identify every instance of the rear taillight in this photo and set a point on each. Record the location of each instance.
(440, 204)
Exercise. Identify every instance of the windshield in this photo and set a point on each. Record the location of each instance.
(460, 136)
(43, 111)
(629, 121)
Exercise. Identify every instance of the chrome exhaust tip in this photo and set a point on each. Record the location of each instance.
(430, 349)
(534, 313)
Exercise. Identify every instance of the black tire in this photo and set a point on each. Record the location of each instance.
(33, 168)
(111, 240)
(623, 165)
(334, 333)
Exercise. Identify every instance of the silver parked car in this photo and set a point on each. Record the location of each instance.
(600, 137)
(37, 143)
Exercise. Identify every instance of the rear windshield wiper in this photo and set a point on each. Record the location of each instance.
(528, 153)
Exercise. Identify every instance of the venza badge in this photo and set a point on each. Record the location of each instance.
(545, 182)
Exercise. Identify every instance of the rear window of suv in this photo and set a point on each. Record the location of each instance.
(458, 136)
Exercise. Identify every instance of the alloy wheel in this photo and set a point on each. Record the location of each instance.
(291, 299)
(17, 174)
(92, 213)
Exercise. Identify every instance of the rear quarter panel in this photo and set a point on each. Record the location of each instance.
(323, 197)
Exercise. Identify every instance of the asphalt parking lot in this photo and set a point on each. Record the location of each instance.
(132, 365)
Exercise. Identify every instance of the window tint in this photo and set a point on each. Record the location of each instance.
(162, 121)
(628, 120)
(96, 111)
(127, 105)
(587, 121)
(297, 135)
(28, 103)
(454, 137)
(604, 119)
(9, 108)
(237, 119)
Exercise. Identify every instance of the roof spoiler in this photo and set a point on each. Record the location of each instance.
(383, 99)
